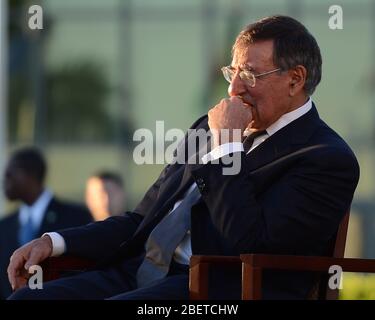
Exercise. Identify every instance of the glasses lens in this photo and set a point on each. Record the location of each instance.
(228, 74)
(248, 77)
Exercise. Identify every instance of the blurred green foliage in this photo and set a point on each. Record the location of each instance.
(358, 287)
(76, 96)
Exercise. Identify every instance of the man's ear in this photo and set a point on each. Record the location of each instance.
(297, 80)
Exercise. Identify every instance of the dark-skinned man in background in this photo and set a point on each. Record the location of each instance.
(40, 211)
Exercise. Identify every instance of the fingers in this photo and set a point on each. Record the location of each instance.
(25, 257)
(235, 101)
(21, 279)
(16, 264)
(34, 258)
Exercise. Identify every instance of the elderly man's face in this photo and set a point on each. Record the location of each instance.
(269, 99)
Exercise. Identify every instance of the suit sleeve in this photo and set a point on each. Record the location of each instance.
(300, 209)
(99, 239)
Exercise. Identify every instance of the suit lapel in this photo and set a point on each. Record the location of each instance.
(50, 217)
(187, 179)
(167, 193)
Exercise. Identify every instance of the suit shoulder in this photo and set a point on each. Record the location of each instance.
(334, 142)
(332, 150)
(9, 219)
(200, 122)
(9, 223)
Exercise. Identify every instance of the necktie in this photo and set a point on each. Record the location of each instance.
(27, 231)
(164, 239)
(249, 140)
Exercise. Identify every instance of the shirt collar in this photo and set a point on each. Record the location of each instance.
(289, 117)
(36, 210)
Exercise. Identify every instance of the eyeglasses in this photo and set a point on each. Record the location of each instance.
(245, 75)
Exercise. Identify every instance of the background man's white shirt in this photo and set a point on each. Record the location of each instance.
(36, 211)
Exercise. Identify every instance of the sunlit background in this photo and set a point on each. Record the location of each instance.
(100, 69)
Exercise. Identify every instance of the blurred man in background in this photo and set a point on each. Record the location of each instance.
(105, 195)
(39, 211)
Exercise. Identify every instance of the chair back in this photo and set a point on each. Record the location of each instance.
(339, 249)
(338, 252)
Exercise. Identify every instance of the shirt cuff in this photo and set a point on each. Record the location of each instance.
(222, 150)
(58, 243)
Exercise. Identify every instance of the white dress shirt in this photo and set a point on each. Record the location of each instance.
(183, 251)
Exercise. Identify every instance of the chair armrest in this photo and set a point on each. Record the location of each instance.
(307, 263)
(198, 273)
(54, 267)
(253, 265)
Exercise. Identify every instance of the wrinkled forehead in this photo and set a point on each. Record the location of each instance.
(257, 55)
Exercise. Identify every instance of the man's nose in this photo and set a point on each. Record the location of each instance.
(237, 86)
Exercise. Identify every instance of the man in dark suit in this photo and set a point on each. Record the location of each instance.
(39, 212)
(293, 181)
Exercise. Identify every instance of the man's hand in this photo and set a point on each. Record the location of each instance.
(230, 114)
(22, 259)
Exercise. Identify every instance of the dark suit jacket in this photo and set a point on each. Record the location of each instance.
(288, 198)
(58, 215)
